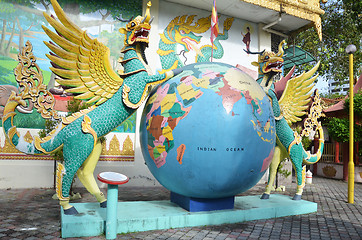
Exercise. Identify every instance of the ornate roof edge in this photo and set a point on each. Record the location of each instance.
(306, 9)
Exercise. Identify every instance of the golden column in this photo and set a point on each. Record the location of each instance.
(350, 49)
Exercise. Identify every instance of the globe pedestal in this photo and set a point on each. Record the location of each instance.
(192, 204)
(140, 216)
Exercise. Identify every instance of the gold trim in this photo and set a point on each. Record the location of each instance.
(166, 40)
(315, 112)
(125, 75)
(86, 128)
(297, 140)
(309, 10)
(74, 116)
(11, 133)
(37, 144)
(117, 159)
(21, 157)
(292, 7)
(145, 93)
(126, 100)
(28, 138)
(128, 149)
(59, 181)
(161, 52)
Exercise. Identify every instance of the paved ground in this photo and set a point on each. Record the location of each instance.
(32, 214)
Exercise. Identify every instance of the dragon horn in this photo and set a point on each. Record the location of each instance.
(248, 52)
(147, 14)
(122, 19)
(151, 19)
(280, 50)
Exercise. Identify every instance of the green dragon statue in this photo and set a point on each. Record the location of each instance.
(180, 31)
(287, 110)
(82, 63)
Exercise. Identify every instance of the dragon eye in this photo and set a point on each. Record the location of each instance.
(133, 24)
(266, 58)
(182, 32)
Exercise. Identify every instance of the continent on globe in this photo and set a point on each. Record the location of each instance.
(166, 112)
(229, 96)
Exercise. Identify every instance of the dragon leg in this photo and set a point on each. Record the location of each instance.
(272, 172)
(300, 182)
(75, 152)
(296, 156)
(85, 175)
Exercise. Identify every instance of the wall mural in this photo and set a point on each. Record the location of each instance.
(185, 39)
(21, 22)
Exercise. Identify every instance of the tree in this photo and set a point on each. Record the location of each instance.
(357, 104)
(338, 128)
(5, 10)
(17, 21)
(341, 26)
(23, 17)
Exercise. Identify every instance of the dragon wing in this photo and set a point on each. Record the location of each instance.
(296, 95)
(80, 61)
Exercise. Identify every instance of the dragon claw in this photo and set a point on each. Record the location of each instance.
(297, 197)
(265, 196)
(103, 204)
(70, 211)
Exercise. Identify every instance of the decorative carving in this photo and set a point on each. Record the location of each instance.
(114, 147)
(309, 10)
(28, 138)
(329, 171)
(127, 147)
(30, 80)
(311, 122)
(8, 151)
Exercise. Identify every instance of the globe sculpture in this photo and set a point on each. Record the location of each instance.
(208, 132)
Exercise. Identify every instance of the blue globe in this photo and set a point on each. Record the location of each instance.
(208, 132)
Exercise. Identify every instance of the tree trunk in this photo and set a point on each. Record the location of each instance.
(21, 38)
(73, 11)
(7, 49)
(356, 153)
(3, 34)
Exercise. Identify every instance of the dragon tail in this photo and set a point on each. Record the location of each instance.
(309, 158)
(310, 123)
(31, 91)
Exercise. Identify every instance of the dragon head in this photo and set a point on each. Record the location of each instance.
(181, 31)
(270, 62)
(137, 30)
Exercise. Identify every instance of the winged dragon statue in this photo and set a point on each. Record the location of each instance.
(288, 109)
(82, 63)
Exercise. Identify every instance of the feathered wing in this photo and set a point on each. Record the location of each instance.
(80, 61)
(296, 95)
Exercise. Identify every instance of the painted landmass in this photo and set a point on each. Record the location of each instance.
(180, 153)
